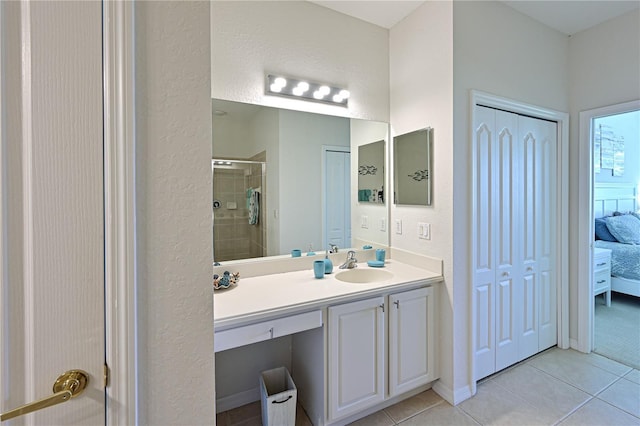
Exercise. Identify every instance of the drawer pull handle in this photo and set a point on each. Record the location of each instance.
(602, 281)
(382, 306)
(505, 274)
(283, 401)
(530, 268)
(271, 332)
(601, 264)
(397, 303)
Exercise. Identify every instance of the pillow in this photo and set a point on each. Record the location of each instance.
(602, 232)
(636, 214)
(625, 228)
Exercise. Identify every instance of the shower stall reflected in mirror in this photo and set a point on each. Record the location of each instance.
(239, 197)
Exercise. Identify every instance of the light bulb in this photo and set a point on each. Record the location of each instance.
(275, 88)
(318, 95)
(281, 81)
(337, 99)
(345, 94)
(297, 91)
(304, 86)
(325, 90)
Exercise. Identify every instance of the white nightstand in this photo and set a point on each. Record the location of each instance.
(602, 273)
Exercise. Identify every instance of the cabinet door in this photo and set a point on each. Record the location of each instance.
(411, 340)
(356, 356)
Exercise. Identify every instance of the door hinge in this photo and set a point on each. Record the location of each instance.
(106, 375)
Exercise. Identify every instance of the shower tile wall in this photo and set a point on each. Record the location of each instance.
(234, 237)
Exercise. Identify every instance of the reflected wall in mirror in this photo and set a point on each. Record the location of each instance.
(304, 154)
(371, 172)
(413, 168)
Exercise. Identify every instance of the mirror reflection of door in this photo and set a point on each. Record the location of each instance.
(337, 205)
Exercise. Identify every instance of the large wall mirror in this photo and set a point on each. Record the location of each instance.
(285, 180)
(413, 168)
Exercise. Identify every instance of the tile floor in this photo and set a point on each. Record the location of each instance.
(556, 387)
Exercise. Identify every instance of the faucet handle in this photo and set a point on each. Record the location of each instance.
(333, 248)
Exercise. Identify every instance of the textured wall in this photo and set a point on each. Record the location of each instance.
(299, 39)
(595, 84)
(421, 49)
(174, 192)
(500, 51)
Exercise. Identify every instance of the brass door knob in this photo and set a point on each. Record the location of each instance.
(66, 386)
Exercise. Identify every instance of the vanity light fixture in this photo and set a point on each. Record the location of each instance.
(291, 87)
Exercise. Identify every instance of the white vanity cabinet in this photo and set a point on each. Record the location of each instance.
(358, 366)
(356, 356)
(411, 340)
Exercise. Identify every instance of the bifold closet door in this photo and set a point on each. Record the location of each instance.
(538, 330)
(513, 224)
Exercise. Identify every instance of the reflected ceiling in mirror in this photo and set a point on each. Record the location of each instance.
(285, 204)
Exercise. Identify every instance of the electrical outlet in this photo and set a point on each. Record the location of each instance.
(398, 226)
(383, 224)
(364, 222)
(424, 231)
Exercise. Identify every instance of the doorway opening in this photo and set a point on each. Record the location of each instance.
(616, 266)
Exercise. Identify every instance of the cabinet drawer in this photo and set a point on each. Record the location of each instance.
(601, 282)
(266, 330)
(601, 263)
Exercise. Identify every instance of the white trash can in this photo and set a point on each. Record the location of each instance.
(278, 397)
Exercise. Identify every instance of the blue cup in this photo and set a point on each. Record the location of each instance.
(318, 268)
(296, 253)
(380, 254)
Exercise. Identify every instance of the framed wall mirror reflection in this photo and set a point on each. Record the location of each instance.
(413, 168)
(371, 172)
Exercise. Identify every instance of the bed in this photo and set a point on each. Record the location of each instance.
(617, 201)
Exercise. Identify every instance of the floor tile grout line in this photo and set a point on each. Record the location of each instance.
(566, 416)
(413, 415)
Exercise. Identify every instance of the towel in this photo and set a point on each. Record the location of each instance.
(254, 206)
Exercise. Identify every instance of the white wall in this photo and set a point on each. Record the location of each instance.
(173, 196)
(362, 133)
(301, 138)
(298, 39)
(596, 83)
(499, 51)
(421, 70)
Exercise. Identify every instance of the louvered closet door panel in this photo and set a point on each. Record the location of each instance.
(507, 294)
(483, 242)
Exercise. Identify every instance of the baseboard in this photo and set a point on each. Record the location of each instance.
(451, 396)
(237, 400)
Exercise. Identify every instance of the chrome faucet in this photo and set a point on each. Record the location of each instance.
(333, 248)
(351, 261)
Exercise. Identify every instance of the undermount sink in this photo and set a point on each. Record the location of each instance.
(363, 276)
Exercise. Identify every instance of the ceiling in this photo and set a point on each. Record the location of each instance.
(567, 16)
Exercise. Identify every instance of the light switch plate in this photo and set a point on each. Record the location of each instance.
(398, 226)
(383, 224)
(424, 231)
(364, 223)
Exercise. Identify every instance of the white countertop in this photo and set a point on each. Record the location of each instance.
(257, 298)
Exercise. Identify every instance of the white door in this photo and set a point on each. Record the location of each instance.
(411, 327)
(545, 134)
(52, 226)
(356, 356)
(337, 206)
(513, 238)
